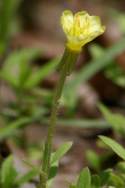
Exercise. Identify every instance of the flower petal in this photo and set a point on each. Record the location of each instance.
(95, 26)
(67, 21)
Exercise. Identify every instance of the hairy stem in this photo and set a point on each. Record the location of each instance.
(65, 66)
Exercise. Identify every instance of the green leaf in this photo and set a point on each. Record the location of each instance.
(93, 159)
(10, 130)
(55, 157)
(116, 180)
(41, 73)
(117, 148)
(7, 11)
(25, 71)
(84, 180)
(96, 182)
(53, 171)
(60, 152)
(82, 123)
(105, 176)
(27, 177)
(96, 51)
(116, 73)
(121, 167)
(8, 173)
(113, 72)
(117, 121)
(16, 68)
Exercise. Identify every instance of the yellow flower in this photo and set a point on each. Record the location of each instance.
(80, 28)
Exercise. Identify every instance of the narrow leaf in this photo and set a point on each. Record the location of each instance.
(60, 152)
(84, 180)
(117, 121)
(8, 131)
(41, 73)
(27, 177)
(8, 173)
(116, 147)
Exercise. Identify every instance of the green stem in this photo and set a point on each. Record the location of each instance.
(66, 66)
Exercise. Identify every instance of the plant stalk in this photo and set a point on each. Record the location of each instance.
(66, 66)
